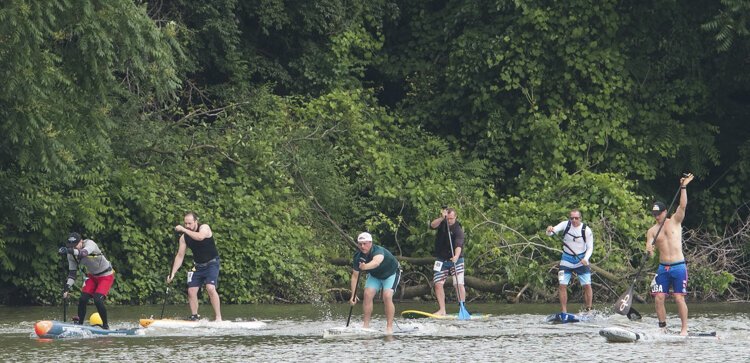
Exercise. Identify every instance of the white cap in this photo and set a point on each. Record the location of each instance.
(364, 236)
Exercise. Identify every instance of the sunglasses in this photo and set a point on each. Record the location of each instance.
(575, 217)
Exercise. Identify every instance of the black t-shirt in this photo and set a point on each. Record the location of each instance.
(443, 244)
(203, 251)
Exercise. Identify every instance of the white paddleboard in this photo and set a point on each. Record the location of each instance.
(185, 324)
(621, 335)
(343, 332)
(354, 332)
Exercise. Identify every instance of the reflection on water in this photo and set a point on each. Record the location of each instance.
(295, 333)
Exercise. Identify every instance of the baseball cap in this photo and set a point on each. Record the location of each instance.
(657, 208)
(73, 238)
(364, 236)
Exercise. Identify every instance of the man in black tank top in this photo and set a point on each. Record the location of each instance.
(200, 239)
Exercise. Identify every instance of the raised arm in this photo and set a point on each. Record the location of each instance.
(679, 214)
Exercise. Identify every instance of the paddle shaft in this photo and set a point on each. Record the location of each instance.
(166, 293)
(579, 259)
(463, 314)
(354, 295)
(623, 305)
(635, 313)
(164, 304)
(453, 254)
(63, 260)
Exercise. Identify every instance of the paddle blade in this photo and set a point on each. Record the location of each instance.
(634, 314)
(463, 314)
(624, 302)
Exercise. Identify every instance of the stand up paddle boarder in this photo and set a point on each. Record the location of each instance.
(672, 272)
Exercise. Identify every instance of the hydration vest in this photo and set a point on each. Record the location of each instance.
(583, 231)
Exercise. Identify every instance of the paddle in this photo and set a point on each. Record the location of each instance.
(354, 294)
(166, 293)
(463, 314)
(624, 302)
(65, 308)
(632, 314)
(63, 260)
(164, 305)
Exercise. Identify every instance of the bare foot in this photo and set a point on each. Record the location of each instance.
(389, 331)
(684, 333)
(218, 319)
(439, 312)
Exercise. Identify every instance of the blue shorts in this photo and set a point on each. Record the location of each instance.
(204, 274)
(673, 275)
(583, 272)
(381, 284)
(447, 268)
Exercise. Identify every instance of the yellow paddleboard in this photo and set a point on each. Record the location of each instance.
(416, 314)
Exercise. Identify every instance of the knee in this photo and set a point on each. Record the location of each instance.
(369, 294)
(387, 295)
(84, 299)
(99, 299)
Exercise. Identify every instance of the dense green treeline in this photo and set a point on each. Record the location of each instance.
(290, 126)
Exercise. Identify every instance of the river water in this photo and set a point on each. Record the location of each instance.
(294, 333)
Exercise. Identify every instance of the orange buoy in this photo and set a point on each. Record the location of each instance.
(41, 328)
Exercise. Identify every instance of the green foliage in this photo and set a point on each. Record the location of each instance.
(729, 24)
(707, 284)
(508, 240)
(290, 126)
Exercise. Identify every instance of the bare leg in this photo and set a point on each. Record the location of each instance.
(563, 298)
(661, 311)
(215, 301)
(440, 296)
(462, 291)
(367, 306)
(390, 310)
(682, 311)
(588, 296)
(193, 299)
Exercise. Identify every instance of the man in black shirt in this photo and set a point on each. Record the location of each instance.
(448, 261)
(199, 238)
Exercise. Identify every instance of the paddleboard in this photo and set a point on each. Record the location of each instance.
(187, 324)
(565, 318)
(354, 332)
(416, 314)
(621, 335)
(52, 329)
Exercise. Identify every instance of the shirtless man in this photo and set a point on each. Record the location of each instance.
(672, 270)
